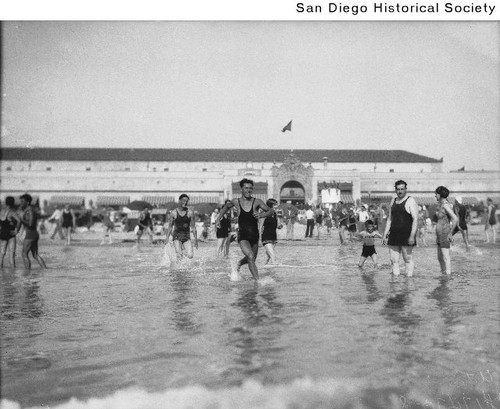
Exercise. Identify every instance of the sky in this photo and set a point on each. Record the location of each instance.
(428, 87)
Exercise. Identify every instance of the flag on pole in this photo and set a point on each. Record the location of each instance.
(288, 127)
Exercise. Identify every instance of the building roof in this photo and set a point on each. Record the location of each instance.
(211, 155)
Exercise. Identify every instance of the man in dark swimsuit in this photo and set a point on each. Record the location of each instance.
(401, 228)
(181, 226)
(29, 218)
(248, 209)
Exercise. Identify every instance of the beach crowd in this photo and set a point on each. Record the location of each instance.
(400, 225)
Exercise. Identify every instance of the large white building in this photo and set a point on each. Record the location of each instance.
(101, 177)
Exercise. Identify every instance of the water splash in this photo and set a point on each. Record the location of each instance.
(235, 274)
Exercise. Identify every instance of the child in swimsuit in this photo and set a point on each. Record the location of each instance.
(368, 236)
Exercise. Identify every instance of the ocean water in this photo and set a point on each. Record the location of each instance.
(117, 326)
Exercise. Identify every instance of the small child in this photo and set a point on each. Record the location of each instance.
(368, 236)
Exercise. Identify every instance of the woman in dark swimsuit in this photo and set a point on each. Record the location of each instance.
(181, 226)
(10, 223)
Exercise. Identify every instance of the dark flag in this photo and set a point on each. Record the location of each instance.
(462, 169)
(288, 127)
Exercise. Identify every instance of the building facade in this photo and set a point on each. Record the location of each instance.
(102, 177)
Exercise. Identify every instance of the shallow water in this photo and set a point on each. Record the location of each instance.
(112, 323)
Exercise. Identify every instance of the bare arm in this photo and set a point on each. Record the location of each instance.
(18, 221)
(453, 217)
(414, 214)
(193, 229)
(170, 224)
(388, 223)
(223, 211)
(268, 211)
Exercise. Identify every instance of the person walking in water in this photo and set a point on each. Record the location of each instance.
(56, 218)
(181, 225)
(68, 222)
(29, 219)
(269, 235)
(446, 221)
(108, 226)
(463, 215)
(10, 224)
(401, 228)
(223, 234)
(249, 210)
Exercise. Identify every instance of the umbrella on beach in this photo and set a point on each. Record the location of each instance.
(139, 205)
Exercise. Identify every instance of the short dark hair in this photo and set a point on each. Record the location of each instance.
(183, 196)
(442, 191)
(27, 198)
(271, 202)
(400, 182)
(245, 180)
(369, 223)
(10, 201)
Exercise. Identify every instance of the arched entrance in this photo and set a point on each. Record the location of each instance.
(293, 191)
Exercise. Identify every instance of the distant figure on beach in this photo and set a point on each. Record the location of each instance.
(491, 221)
(145, 225)
(213, 228)
(401, 228)
(421, 226)
(318, 218)
(68, 222)
(363, 216)
(290, 214)
(368, 236)
(181, 225)
(56, 219)
(108, 225)
(249, 211)
(463, 216)
(223, 234)
(29, 219)
(10, 224)
(309, 222)
(269, 235)
(446, 220)
(343, 220)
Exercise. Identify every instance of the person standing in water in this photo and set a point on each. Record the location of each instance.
(401, 228)
(269, 235)
(10, 224)
(249, 210)
(181, 225)
(68, 222)
(29, 218)
(491, 220)
(368, 236)
(447, 220)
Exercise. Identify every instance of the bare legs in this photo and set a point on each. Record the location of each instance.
(9, 245)
(250, 252)
(31, 245)
(182, 249)
(406, 252)
(444, 260)
(271, 255)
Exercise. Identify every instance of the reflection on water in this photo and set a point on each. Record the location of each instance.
(255, 334)
(99, 321)
(184, 292)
